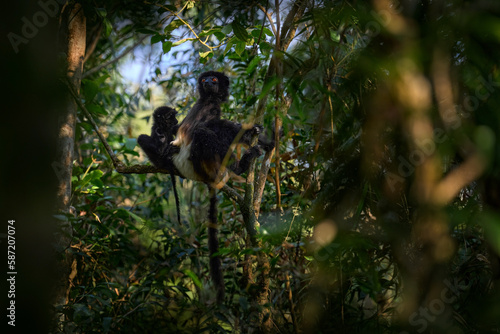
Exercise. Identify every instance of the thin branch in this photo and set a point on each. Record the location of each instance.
(91, 47)
(261, 181)
(289, 25)
(116, 162)
(176, 14)
(114, 60)
(230, 192)
(269, 17)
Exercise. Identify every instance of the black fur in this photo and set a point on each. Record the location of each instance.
(157, 146)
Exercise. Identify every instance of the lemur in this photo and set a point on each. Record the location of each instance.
(199, 151)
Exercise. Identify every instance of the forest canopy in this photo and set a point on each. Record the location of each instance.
(378, 211)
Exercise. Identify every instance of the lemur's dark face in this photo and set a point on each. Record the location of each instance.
(213, 85)
(210, 84)
(165, 116)
(164, 120)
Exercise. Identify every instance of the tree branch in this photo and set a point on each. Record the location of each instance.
(269, 18)
(116, 162)
(289, 25)
(231, 193)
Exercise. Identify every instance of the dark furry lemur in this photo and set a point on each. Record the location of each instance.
(157, 145)
(199, 150)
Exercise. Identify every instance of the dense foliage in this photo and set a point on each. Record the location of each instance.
(381, 209)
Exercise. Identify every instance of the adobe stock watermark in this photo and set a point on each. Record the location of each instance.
(437, 306)
(428, 146)
(30, 28)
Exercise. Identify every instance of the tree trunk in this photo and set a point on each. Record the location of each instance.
(74, 26)
(73, 32)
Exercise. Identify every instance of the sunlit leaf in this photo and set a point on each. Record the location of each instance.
(193, 276)
(173, 25)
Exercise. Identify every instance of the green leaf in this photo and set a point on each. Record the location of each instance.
(95, 175)
(208, 54)
(208, 32)
(220, 36)
(99, 81)
(89, 89)
(265, 31)
(229, 44)
(251, 101)
(173, 25)
(109, 28)
(256, 33)
(193, 276)
(167, 46)
(253, 64)
(268, 86)
(131, 143)
(136, 217)
(183, 41)
(240, 47)
(227, 29)
(101, 12)
(335, 36)
(204, 54)
(268, 32)
(156, 39)
(147, 31)
(96, 109)
(265, 48)
(240, 31)
(87, 127)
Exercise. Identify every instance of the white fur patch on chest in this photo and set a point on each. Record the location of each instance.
(183, 163)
